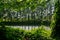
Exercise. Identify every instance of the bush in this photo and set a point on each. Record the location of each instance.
(9, 33)
(56, 22)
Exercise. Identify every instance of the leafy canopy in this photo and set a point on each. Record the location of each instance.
(20, 4)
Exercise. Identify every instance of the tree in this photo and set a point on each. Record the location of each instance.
(13, 6)
(56, 21)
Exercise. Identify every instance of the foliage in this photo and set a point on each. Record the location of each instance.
(9, 33)
(22, 10)
(20, 4)
(56, 22)
(53, 21)
(7, 6)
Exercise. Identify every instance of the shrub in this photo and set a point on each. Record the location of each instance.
(9, 33)
(56, 22)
